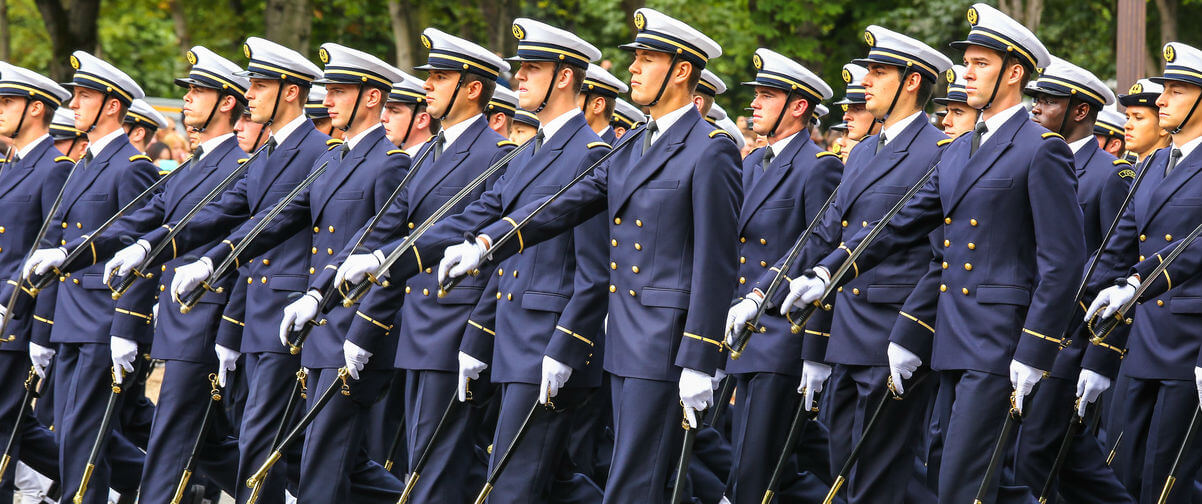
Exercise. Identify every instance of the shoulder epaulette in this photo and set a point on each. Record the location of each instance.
(943, 142)
(1118, 162)
(140, 156)
(334, 141)
(63, 158)
(721, 132)
(395, 151)
(1051, 134)
(824, 154)
(243, 160)
(163, 172)
(333, 146)
(503, 143)
(599, 144)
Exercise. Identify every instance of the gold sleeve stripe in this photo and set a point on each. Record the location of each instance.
(1042, 336)
(818, 333)
(43, 320)
(716, 343)
(377, 323)
(919, 322)
(521, 242)
(131, 313)
(232, 321)
(574, 335)
(1122, 353)
(1166, 274)
(477, 325)
(419, 258)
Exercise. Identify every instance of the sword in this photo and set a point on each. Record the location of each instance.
(32, 384)
(801, 418)
(1013, 417)
(505, 457)
(327, 303)
(358, 290)
(1189, 438)
(190, 298)
(215, 395)
(1114, 449)
(142, 270)
(101, 436)
(517, 228)
(415, 471)
(690, 434)
(1074, 427)
(255, 482)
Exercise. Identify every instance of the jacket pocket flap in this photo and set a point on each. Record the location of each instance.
(666, 298)
(462, 294)
(1003, 294)
(92, 281)
(349, 195)
(889, 294)
(544, 301)
(780, 203)
(1181, 304)
(294, 283)
(995, 183)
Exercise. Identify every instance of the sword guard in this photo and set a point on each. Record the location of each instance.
(897, 396)
(215, 390)
(343, 373)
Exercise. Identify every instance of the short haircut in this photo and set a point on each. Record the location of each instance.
(488, 85)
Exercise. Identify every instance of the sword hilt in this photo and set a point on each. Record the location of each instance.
(190, 298)
(126, 282)
(741, 339)
(256, 480)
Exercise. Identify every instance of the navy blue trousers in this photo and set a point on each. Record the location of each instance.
(448, 473)
(1154, 419)
(270, 378)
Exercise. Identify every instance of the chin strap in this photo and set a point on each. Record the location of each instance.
(212, 113)
(780, 116)
(275, 107)
(1189, 115)
(901, 82)
(551, 87)
(21, 122)
(664, 85)
(1068, 109)
(96, 120)
(409, 129)
(997, 83)
(354, 111)
(451, 104)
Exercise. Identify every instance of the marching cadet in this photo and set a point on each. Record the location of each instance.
(1162, 351)
(461, 81)
(89, 353)
(525, 124)
(598, 98)
(626, 117)
(1108, 130)
(500, 110)
(959, 117)
(1013, 252)
(708, 88)
(141, 122)
(280, 79)
(672, 215)
(69, 141)
(860, 122)
(30, 180)
(1068, 100)
(315, 110)
(901, 74)
(213, 103)
(407, 122)
(717, 116)
(551, 300)
(251, 135)
(1143, 133)
(785, 185)
(359, 175)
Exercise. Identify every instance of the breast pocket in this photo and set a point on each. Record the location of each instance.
(780, 203)
(995, 183)
(16, 198)
(1185, 202)
(349, 195)
(447, 190)
(891, 190)
(662, 184)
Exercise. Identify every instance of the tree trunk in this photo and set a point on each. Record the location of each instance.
(289, 23)
(399, 14)
(180, 24)
(1168, 22)
(1027, 12)
(629, 6)
(70, 28)
(5, 37)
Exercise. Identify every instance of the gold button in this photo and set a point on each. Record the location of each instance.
(613, 265)
(1141, 258)
(429, 270)
(613, 288)
(972, 246)
(1159, 302)
(425, 292)
(498, 295)
(329, 251)
(972, 222)
(855, 292)
(76, 280)
(638, 246)
(944, 264)
(947, 220)
(316, 229)
(1143, 237)
(1, 229)
(844, 223)
(763, 241)
(500, 272)
(163, 268)
(314, 250)
(742, 280)
(742, 260)
(613, 242)
(331, 228)
(515, 273)
(840, 289)
(162, 287)
(863, 223)
(64, 242)
(312, 270)
(1168, 237)
(64, 225)
(638, 223)
(264, 279)
(250, 280)
(947, 243)
(409, 289)
(742, 239)
(78, 225)
(964, 290)
(266, 262)
(634, 269)
(617, 220)
(942, 288)
(968, 266)
(632, 293)
(764, 264)
(410, 225)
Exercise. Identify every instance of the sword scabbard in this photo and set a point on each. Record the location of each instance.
(179, 489)
(409, 484)
(83, 483)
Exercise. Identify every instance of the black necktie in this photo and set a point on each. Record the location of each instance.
(650, 132)
(200, 151)
(538, 140)
(342, 153)
(270, 146)
(977, 133)
(438, 143)
(87, 159)
(1173, 158)
(768, 157)
(880, 141)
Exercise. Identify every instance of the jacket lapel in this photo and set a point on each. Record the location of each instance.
(1187, 168)
(778, 171)
(986, 156)
(201, 171)
(884, 162)
(639, 170)
(12, 174)
(448, 162)
(347, 167)
(542, 160)
(278, 161)
(92, 171)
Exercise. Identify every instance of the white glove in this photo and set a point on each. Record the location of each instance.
(555, 374)
(126, 259)
(356, 267)
(805, 289)
(355, 358)
(43, 260)
(123, 352)
(227, 362)
(1197, 382)
(298, 313)
(154, 314)
(813, 375)
(3, 310)
(189, 276)
(696, 393)
(740, 314)
(469, 369)
(40, 357)
(902, 364)
(1090, 385)
(461, 259)
(1112, 298)
(1023, 378)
